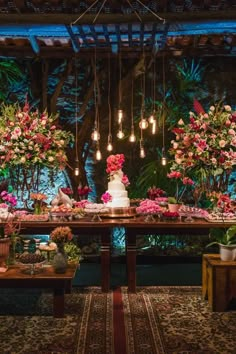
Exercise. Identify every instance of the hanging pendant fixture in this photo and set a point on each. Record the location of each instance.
(109, 138)
(132, 137)
(163, 158)
(95, 136)
(98, 154)
(76, 170)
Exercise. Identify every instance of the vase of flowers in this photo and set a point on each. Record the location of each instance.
(38, 199)
(205, 147)
(60, 235)
(29, 142)
(181, 184)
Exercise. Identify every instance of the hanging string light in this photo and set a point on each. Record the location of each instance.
(152, 119)
(142, 153)
(76, 170)
(95, 136)
(143, 123)
(98, 154)
(109, 139)
(163, 157)
(120, 134)
(120, 111)
(132, 137)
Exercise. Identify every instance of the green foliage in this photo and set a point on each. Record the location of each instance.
(10, 73)
(73, 252)
(223, 236)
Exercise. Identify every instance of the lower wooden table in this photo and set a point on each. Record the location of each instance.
(218, 281)
(14, 277)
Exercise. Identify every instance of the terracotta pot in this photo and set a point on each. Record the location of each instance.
(227, 252)
(174, 208)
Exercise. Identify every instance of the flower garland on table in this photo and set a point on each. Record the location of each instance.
(205, 147)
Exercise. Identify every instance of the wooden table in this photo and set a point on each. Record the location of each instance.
(14, 277)
(218, 281)
(81, 228)
(138, 226)
(133, 227)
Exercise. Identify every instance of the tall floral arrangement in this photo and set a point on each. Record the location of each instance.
(30, 141)
(205, 147)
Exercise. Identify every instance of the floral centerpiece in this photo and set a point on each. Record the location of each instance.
(61, 234)
(114, 166)
(83, 192)
(205, 147)
(30, 141)
(38, 199)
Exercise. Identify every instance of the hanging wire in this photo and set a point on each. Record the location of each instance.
(132, 137)
(163, 159)
(76, 170)
(129, 3)
(109, 142)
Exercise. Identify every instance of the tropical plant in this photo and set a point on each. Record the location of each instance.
(223, 236)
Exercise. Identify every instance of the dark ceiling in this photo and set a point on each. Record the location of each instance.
(63, 28)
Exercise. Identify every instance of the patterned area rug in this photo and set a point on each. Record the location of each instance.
(154, 320)
(176, 320)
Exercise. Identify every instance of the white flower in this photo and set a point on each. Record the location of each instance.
(212, 108)
(181, 122)
(22, 159)
(222, 143)
(50, 158)
(227, 108)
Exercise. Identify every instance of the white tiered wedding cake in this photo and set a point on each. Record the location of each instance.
(117, 194)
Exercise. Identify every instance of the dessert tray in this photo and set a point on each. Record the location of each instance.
(188, 211)
(33, 217)
(221, 217)
(31, 263)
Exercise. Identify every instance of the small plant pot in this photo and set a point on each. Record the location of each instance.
(174, 208)
(227, 253)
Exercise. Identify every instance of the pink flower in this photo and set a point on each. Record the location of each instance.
(106, 197)
(115, 163)
(174, 174)
(125, 180)
(188, 181)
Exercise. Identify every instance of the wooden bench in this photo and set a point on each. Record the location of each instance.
(218, 281)
(46, 279)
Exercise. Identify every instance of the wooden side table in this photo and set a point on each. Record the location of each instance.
(59, 283)
(218, 281)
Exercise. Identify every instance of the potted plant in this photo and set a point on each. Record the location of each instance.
(226, 239)
(173, 204)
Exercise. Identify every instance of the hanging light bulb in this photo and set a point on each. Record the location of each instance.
(132, 137)
(76, 170)
(120, 115)
(98, 154)
(152, 118)
(154, 126)
(109, 144)
(120, 134)
(143, 124)
(95, 136)
(163, 158)
(142, 152)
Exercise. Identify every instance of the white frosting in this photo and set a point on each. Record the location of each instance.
(117, 190)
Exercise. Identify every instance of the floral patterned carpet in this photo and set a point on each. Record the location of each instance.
(154, 320)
